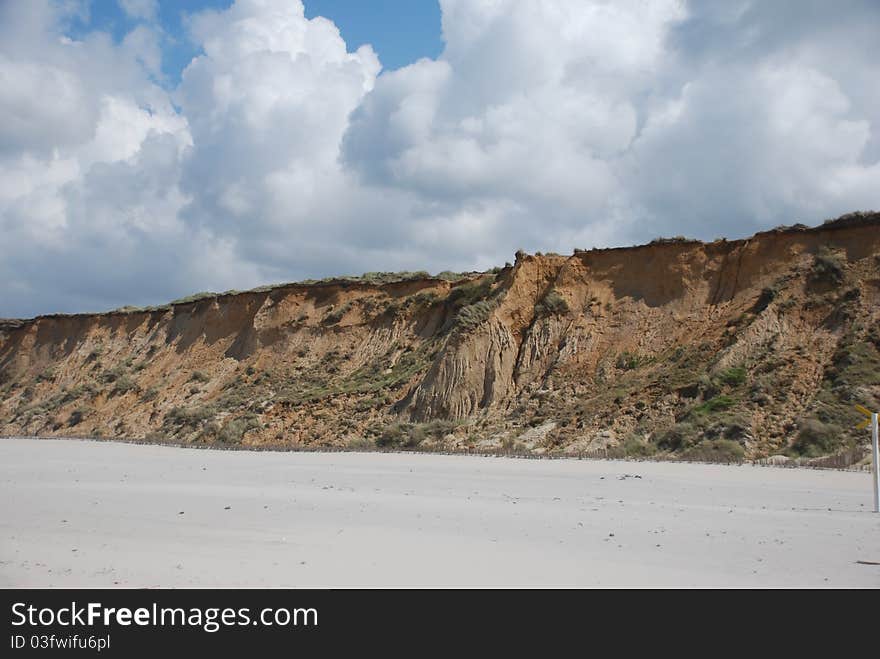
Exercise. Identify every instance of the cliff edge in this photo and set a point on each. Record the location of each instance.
(718, 351)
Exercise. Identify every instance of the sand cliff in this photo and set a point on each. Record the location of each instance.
(722, 350)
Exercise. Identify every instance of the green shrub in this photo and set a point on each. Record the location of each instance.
(628, 361)
(423, 299)
(733, 377)
(70, 395)
(47, 375)
(670, 241)
(448, 275)
(77, 416)
(439, 428)
(336, 314)
(233, 432)
(410, 435)
(150, 394)
(469, 293)
(112, 374)
(765, 298)
(195, 297)
(123, 385)
(183, 417)
(359, 444)
(387, 277)
(827, 267)
(815, 438)
(719, 450)
(634, 447)
(198, 376)
(401, 435)
(552, 304)
(474, 314)
(678, 436)
(372, 403)
(716, 404)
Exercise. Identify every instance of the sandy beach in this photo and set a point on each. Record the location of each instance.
(83, 513)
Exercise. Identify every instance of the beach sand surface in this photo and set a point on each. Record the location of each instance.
(95, 513)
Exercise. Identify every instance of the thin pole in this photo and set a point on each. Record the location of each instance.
(875, 444)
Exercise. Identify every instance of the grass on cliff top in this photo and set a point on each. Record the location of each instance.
(375, 278)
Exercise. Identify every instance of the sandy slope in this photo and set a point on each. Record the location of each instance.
(91, 513)
(565, 354)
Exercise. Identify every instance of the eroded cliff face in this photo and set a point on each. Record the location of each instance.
(721, 350)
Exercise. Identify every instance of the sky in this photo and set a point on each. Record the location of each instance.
(152, 149)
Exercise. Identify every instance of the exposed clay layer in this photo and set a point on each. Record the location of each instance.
(707, 350)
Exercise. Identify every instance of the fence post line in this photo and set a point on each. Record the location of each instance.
(875, 448)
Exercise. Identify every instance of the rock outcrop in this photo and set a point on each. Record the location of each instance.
(723, 350)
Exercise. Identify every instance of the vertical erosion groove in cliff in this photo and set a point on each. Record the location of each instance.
(719, 351)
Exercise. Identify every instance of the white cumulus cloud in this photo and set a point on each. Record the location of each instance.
(543, 124)
(141, 9)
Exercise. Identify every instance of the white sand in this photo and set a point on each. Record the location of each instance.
(101, 514)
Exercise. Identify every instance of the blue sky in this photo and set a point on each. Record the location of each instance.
(400, 31)
(287, 152)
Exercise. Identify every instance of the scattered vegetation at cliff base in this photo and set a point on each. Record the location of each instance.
(666, 393)
(411, 435)
(632, 447)
(76, 417)
(360, 444)
(678, 436)
(233, 431)
(717, 450)
(815, 438)
(188, 418)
